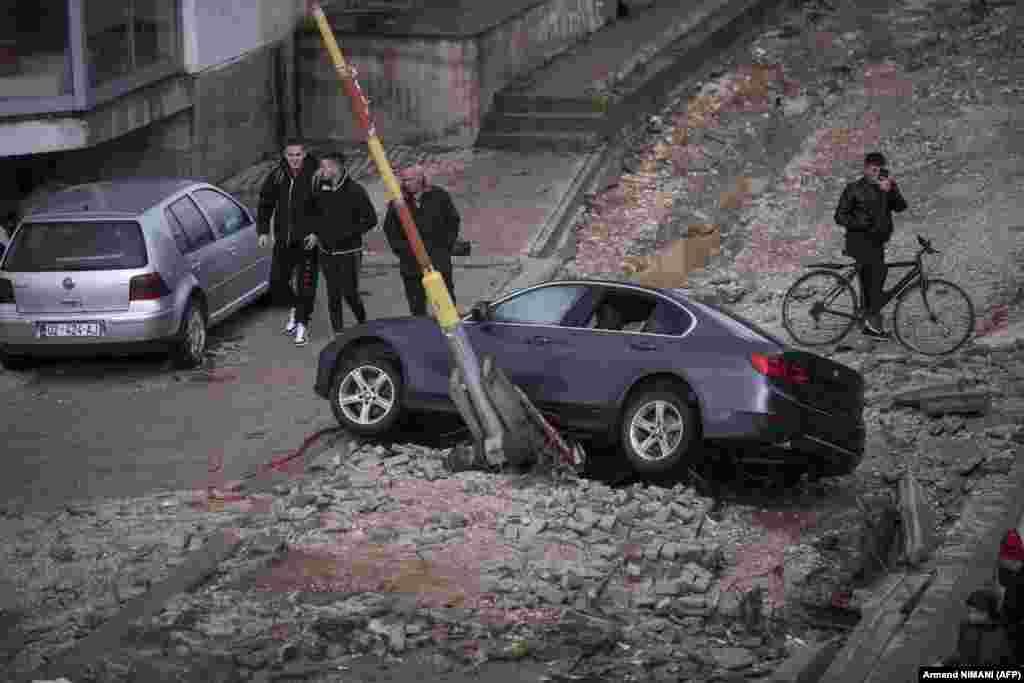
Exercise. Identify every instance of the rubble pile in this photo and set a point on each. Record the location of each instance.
(383, 552)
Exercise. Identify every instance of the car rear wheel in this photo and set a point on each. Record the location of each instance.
(366, 392)
(190, 348)
(658, 430)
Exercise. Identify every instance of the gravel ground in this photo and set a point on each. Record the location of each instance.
(721, 574)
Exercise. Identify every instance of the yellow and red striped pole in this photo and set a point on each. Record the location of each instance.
(433, 284)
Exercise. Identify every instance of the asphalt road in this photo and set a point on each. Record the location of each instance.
(119, 428)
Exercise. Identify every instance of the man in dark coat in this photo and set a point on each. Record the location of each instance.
(865, 210)
(438, 223)
(344, 213)
(285, 197)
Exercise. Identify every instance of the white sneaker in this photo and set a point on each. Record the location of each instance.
(300, 335)
(289, 328)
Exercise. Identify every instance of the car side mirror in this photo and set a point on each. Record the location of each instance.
(480, 312)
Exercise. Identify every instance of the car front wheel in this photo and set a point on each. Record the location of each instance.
(658, 430)
(366, 393)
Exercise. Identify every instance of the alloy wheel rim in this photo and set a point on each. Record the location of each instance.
(367, 395)
(656, 430)
(196, 335)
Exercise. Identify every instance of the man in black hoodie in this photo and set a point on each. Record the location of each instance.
(344, 213)
(437, 221)
(285, 197)
(865, 210)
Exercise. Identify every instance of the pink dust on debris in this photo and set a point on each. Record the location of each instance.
(391, 64)
(768, 559)
(619, 214)
(492, 615)
(997, 319)
(443, 574)
(884, 80)
(766, 254)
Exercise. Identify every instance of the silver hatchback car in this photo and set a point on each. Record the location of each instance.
(127, 265)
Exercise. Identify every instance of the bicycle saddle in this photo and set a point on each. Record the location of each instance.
(832, 266)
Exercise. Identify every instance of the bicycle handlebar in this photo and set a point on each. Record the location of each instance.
(926, 245)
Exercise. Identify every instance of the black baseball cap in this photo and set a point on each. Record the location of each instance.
(336, 157)
(874, 159)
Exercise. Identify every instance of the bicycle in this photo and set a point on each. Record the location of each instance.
(835, 305)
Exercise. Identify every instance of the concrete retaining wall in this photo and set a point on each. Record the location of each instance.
(236, 115)
(433, 89)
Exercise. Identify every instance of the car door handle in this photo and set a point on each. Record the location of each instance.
(643, 346)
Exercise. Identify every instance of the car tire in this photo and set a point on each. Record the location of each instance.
(639, 425)
(189, 349)
(369, 380)
(15, 363)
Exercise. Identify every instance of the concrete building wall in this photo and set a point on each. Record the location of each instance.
(219, 31)
(237, 112)
(436, 89)
(533, 38)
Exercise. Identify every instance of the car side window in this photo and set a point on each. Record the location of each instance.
(227, 216)
(178, 232)
(544, 306)
(668, 319)
(192, 222)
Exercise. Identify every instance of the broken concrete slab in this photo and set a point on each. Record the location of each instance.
(943, 399)
(961, 403)
(918, 518)
(808, 664)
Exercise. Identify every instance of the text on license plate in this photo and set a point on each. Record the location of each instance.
(72, 330)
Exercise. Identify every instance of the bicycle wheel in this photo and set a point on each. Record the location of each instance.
(936, 322)
(819, 309)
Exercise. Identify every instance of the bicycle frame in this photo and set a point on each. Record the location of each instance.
(915, 275)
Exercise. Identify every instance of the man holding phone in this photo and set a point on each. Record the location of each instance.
(865, 210)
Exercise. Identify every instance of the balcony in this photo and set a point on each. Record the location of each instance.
(65, 56)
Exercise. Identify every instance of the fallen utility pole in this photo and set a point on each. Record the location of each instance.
(512, 436)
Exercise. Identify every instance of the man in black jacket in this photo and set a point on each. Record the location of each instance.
(285, 197)
(438, 223)
(865, 210)
(344, 213)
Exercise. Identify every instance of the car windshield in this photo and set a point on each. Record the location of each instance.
(76, 246)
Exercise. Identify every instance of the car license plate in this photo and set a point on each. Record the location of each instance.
(93, 329)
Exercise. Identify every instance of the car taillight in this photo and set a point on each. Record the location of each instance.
(778, 368)
(6, 291)
(147, 287)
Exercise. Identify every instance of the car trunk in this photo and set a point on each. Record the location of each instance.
(75, 267)
(831, 387)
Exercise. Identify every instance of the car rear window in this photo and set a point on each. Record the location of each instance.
(77, 246)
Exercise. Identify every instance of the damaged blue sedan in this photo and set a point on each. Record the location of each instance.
(652, 371)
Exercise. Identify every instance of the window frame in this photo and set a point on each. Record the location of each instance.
(213, 219)
(192, 246)
(84, 96)
(534, 290)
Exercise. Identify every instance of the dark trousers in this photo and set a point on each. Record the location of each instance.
(299, 270)
(341, 272)
(872, 275)
(413, 282)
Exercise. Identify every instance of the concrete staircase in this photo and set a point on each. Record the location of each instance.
(537, 122)
(639, 60)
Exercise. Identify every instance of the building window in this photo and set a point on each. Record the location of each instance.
(124, 37)
(35, 57)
